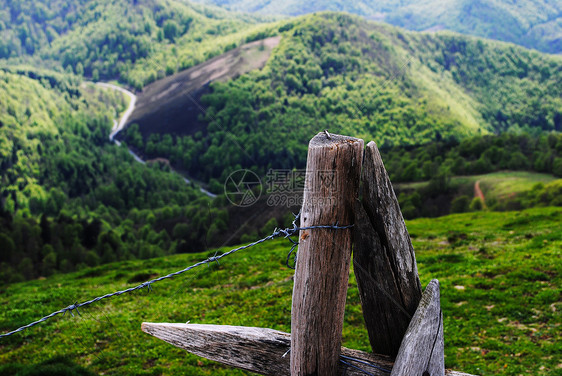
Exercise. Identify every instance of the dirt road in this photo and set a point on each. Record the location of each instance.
(478, 193)
(118, 126)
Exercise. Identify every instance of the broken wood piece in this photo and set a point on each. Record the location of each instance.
(331, 188)
(383, 259)
(422, 350)
(258, 350)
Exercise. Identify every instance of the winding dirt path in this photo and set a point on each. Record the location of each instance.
(478, 193)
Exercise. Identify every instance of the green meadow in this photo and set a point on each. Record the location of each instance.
(500, 294)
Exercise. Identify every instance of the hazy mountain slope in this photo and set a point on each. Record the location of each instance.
(533, 24)
(342, 73)
(134, 40)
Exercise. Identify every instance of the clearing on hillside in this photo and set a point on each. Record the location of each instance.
(171, 105)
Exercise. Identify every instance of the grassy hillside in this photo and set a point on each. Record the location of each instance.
(500, 185)
(495, 185)
(504, 190)
(534, 24)
(342, 73)
(500, 287)
(136, 41)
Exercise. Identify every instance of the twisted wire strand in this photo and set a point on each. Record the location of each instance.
(286, 233)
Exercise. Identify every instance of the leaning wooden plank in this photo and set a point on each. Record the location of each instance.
(258, 350)
(422, 350)
(383, 259)
(333, 172)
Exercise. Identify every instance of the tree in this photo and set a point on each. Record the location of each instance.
(79, 69)
(181, 231)
(460, 204)
(557, 166)
(8, 248)
(92, 258)
(171, 30)
(476, 204)
(49, 264)
(25, 267)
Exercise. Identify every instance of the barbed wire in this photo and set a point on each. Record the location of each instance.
(285, 233)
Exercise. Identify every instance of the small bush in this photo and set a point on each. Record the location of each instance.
(460, 204)
(476, 204)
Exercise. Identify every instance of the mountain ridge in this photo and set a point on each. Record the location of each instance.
(533, 24)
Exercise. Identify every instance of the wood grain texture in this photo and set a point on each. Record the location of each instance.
(383, 259)
(322, 270)
(258, 350)
(422, 350)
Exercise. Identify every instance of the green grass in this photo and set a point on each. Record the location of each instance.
(506, 183)
(496, 185)
(500, 286)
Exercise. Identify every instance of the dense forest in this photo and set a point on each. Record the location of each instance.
(476, 155)
(70, 197)
(339, 72)
(533, 24)
(136, 41)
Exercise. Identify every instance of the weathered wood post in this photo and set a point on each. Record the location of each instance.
(423, 350)
(383, 259)
(322, 270)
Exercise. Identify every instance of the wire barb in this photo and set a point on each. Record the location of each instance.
(148, 286)
(72, 307)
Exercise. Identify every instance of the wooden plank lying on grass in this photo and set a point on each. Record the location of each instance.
(259, 350)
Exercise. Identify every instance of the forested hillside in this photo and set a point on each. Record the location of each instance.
(136, 41)
(71, 198)
(351, 76)
(534, 24)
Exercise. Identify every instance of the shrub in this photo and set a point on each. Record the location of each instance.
(460, 204)
(476, 204)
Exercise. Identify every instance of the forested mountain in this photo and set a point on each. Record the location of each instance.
(533, 24)
(136, 41)
(352, 76)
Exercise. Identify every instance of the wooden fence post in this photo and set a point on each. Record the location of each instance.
(383, 259)
(423, 350)
(322, 270)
